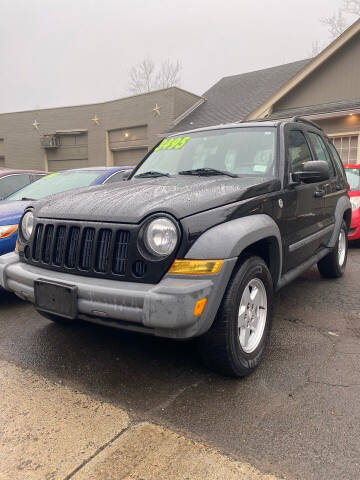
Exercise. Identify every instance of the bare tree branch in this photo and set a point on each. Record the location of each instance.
(143, 77)
(336, 24)
(352, 7)
(169, 74)
(316, 48)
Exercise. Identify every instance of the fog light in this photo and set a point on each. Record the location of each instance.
(195, 267)
(199, 307)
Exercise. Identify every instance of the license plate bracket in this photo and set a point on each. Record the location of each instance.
(56, 298)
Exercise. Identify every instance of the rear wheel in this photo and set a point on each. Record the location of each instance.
(236, 342)
(334, 264)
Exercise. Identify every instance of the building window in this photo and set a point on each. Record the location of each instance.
(2, 161)
(347, 146)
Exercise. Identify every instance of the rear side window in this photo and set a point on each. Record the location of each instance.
(12, 183)
(336, 157)
(321, 151)
(298, 151)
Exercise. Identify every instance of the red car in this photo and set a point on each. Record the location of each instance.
(353, 177)
(12, 180)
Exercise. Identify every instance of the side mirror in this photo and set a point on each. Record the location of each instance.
(313, 172)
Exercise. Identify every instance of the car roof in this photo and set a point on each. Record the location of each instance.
(98, 169)
(10, 171)
(230, 125)
(261, 123)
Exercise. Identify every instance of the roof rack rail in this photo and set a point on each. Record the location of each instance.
(303, 120)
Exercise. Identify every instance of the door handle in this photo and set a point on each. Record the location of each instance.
(319, 193)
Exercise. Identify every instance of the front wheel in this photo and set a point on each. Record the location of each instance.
(236, 342)
(334, 264)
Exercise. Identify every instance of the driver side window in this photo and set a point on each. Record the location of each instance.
(298, 151)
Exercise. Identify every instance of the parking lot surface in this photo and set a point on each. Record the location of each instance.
(296, 417)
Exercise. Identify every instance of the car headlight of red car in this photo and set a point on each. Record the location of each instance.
(355, 203)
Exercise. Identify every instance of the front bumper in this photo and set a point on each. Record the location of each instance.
(165, 309)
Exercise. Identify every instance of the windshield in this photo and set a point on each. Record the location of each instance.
(240, 151)
(56, 183)
(353, 177)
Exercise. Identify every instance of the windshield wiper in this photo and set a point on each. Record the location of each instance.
(207, 172)
(152, 173)
(24, 199)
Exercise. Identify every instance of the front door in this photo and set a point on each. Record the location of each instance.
(304, 215)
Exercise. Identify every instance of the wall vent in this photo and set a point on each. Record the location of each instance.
(50, 141)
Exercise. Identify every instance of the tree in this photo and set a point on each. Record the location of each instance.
(169, 74)
(141, 77)
(338, 22)
(316, 48)
(352, 7)
(145, 78)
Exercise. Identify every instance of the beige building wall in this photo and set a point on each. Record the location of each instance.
(337, 79)
(91, 135)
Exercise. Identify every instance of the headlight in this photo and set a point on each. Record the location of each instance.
(355, 203)
(27, 225)
(161, 237)
(7, 230)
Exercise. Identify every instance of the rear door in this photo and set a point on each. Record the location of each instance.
(304, 216)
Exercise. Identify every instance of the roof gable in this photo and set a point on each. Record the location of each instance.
(233, 98)
(265, 108)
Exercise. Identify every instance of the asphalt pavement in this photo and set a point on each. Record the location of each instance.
(297, 416)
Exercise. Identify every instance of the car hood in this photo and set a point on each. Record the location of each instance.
(11, 211)
(131, 201)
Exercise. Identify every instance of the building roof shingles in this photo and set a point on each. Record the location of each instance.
(233, 98)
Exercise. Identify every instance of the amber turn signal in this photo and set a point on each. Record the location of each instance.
(7, 230)
(199, 307)
(195, 267)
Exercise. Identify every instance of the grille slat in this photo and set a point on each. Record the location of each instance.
(121, 252)
(46, 243)
(71, 247)
(87, 245)
(102, 250)
(59, 247)
(37, 241)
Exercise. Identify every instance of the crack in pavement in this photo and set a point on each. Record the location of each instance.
(99, 450)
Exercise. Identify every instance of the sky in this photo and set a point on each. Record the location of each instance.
(71, 52)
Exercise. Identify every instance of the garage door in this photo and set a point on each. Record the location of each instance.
(129, 157)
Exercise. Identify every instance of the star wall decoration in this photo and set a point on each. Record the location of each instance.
(156, 110)
(96, 120)
(36, 124)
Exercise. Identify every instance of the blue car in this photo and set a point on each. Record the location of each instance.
(13, 206)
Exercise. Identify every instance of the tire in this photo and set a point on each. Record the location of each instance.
(334, 264)
(223, 348)
(56, 318)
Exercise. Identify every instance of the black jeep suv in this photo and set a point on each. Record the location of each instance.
(209, 225)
